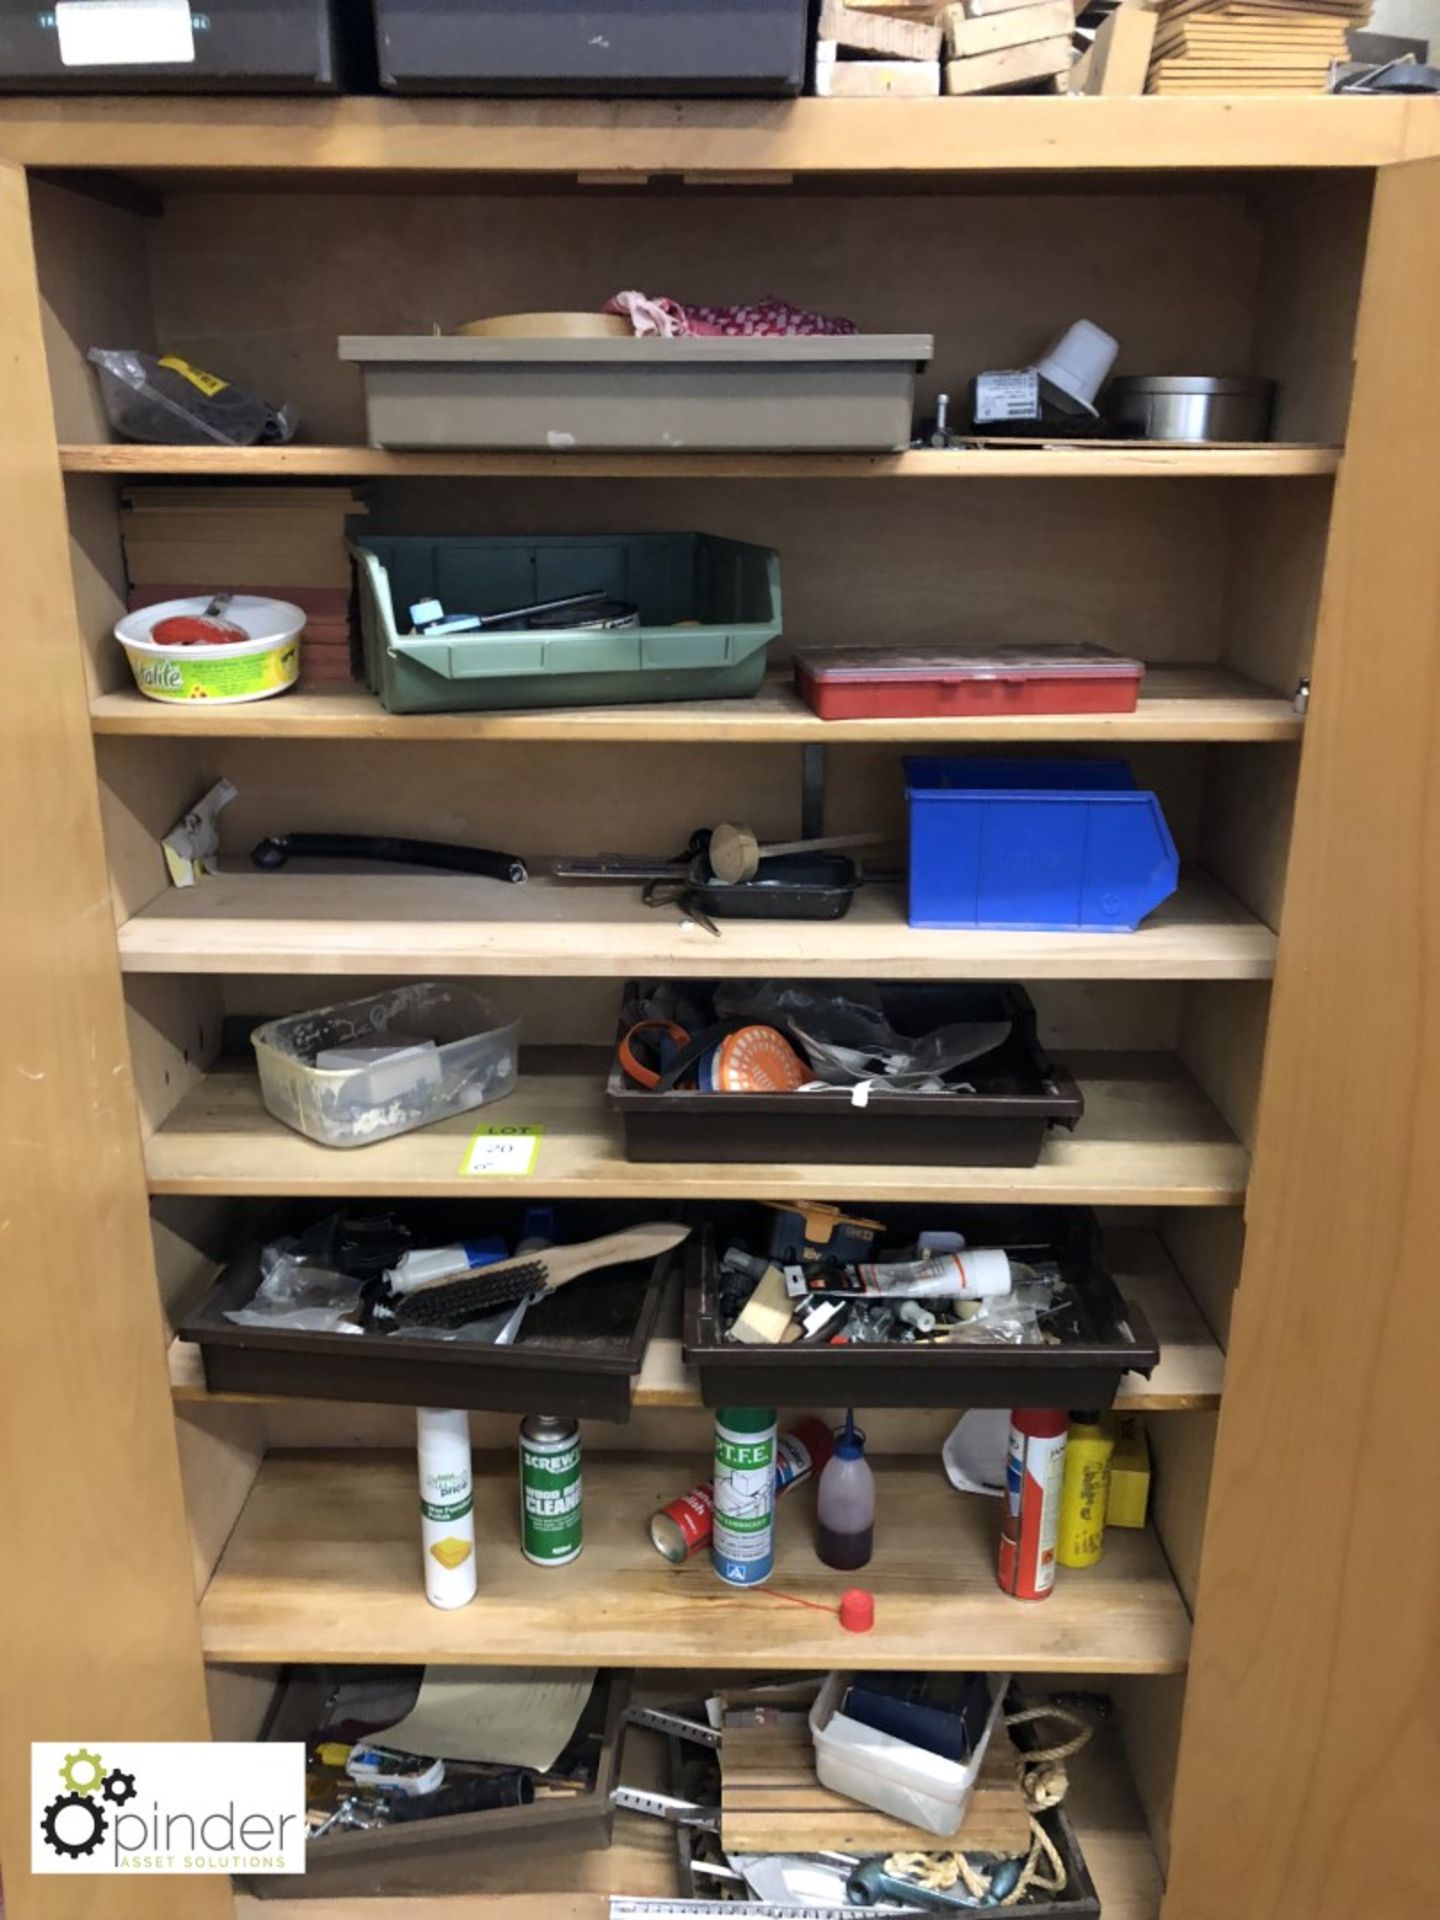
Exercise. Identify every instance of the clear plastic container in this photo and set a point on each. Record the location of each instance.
(923, 1789)
(453, 1050)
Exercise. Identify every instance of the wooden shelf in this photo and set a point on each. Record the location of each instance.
(640, 1860)
(1176, 703)
(323, 1564)
(1189, 1377)
(1069, 460)
(395, 923)
(1149, 1137)
(397, 140)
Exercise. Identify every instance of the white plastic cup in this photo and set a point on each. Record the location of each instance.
(1076, 365)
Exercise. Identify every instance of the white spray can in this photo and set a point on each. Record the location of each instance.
(447, 1505)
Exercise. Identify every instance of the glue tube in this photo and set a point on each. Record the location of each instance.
(980, 1273)
(447, 1505)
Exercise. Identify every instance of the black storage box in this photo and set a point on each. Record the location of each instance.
(232, 46)
(1116, 1336)
(1018, 1096)
(600, 48)
(578, 1353)
(460, 1852)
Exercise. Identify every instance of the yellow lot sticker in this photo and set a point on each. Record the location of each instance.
(503, 1150)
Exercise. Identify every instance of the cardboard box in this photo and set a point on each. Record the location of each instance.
(1129, 1472)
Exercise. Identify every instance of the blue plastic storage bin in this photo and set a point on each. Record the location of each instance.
(1057, 845)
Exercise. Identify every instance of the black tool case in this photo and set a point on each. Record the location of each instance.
(1116, 1337)
(239, 46)
(1018, 1096)
(461, 1852)
(578, 1353)
(600, 47)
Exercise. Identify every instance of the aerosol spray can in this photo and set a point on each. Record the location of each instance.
(1034, 1471)
(1085, 1494)
(447, 1505)
(685, 1525)
(551, 1517)
(743, 1545)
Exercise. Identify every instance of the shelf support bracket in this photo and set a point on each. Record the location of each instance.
(812, 792)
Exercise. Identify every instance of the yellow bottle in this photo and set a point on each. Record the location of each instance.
(1085, 1492)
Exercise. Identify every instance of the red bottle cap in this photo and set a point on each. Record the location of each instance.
(857, 1610)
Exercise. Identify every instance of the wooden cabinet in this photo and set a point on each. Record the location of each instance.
(164, 1537)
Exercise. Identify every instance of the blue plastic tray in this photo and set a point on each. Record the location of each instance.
(1050, 845)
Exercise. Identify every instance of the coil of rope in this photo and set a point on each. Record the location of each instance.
(1044, 1783)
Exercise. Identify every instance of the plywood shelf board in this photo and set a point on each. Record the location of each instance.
(1176, 704)
(1190, 1375)
(620, 141)
(395, 923)
(1149, 1137)
(323, 1563)
(1048, 460)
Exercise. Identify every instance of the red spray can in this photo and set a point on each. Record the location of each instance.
(1034, 1473)
(685, 1526)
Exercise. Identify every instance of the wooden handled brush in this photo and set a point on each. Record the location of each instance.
(533, 1276)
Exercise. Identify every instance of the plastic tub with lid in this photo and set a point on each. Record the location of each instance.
(920, 683)
(367, 1069)
(265, 663)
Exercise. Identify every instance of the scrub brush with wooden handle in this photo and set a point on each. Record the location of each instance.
(533, 1276)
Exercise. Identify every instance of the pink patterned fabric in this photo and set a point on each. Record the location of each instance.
(670, 320)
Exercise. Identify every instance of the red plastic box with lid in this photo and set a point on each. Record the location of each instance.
(922, 683)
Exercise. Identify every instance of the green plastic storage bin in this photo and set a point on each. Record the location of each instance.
(729, 589)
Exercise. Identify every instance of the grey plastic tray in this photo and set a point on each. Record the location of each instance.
(828, 393)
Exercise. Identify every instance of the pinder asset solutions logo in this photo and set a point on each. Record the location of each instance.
(168, 1807)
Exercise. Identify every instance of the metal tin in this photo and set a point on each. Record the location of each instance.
(743, 1543)
(1191, 407)
(551, 1514)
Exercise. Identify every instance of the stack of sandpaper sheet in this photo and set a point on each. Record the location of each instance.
(284, 542)
(1250, 46)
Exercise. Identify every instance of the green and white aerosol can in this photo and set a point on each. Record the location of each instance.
(742, 1544)
(551, 1515)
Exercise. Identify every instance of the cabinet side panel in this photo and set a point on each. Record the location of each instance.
(97, 1617)
(1315, 1615)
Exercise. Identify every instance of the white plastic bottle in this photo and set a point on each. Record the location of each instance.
(845, 1505)
(447, 1505)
